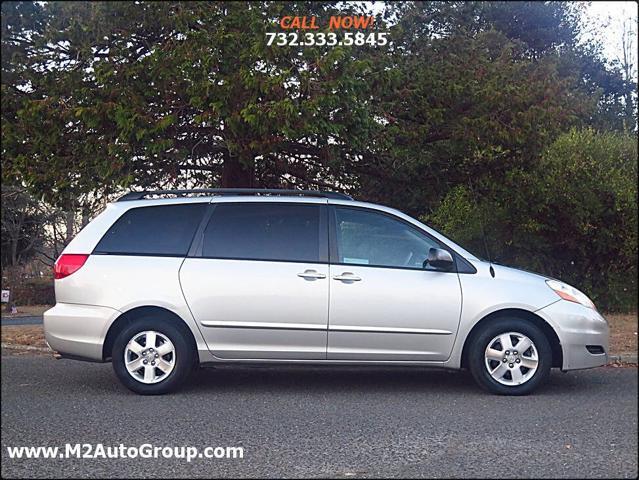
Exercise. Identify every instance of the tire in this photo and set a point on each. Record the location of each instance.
(521, 372)
(171, 369)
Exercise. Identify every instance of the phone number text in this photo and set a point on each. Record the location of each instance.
(319, 39)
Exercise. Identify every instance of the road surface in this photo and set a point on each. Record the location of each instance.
(323, 422)
(26, 320)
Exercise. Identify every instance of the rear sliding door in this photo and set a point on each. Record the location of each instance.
(258, 281)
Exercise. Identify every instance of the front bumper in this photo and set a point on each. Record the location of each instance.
(78, 331)
(578, 327)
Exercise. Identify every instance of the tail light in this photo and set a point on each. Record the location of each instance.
(67, 264)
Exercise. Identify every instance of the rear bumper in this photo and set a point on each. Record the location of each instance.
(581, 331)
(78, 331)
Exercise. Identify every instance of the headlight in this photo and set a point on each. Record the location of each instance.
(569, 293)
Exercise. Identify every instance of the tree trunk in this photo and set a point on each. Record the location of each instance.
(70, 224)
(237, 173)
(86, 216)
(15, 241)
(14, 252)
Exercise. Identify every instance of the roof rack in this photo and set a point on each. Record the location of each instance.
(234, 191)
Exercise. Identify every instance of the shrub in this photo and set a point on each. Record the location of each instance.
(34, 291)
(572, 216)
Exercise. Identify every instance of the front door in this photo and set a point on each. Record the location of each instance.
(385, 305)
(258, 283)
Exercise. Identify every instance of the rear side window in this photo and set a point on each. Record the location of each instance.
(161, 230)
(263, 231)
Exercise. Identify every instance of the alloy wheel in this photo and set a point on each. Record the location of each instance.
(149, 357)
(511, 358)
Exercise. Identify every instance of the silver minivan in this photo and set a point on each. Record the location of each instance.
(163, 281)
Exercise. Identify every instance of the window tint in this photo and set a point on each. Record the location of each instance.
(163, 230)
(369, 238)
(263, 231)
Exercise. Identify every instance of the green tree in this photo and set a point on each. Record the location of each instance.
(142, 94)
(574, 216)
(101, 95)
(474, 90)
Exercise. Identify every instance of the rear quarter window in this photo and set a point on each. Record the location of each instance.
(165, 230)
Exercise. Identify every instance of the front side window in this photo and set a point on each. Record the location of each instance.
(263, 231)
(159, 230)
(369, 238)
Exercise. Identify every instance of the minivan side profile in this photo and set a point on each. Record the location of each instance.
(161, 285)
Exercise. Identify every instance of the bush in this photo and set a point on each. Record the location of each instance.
(34, 291)
(573, 216)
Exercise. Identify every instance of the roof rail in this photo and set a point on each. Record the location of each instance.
(234, 191)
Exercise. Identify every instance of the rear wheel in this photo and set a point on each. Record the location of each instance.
(510, 357)
(152, 356)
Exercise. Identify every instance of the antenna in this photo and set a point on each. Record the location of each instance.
(483, 229)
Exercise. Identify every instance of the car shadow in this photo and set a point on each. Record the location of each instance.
(336, 379)
(327, 379)
(280, 379)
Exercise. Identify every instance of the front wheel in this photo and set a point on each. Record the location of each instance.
(152, 357)
(510, 357)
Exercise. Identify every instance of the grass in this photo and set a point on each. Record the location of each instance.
(31, 335)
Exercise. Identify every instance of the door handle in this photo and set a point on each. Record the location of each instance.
(311, 275)
(347, 277)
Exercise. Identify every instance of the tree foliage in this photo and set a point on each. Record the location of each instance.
(573, 216)
(145, 93)
(118, 94)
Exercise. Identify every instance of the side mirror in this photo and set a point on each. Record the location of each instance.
(440, 259)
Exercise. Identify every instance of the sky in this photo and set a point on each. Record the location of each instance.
(607, 19)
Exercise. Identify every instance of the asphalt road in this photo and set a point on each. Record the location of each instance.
(323, 423)
(27, 320)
